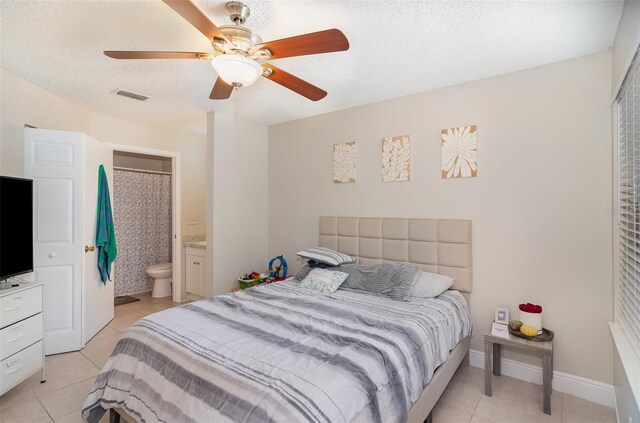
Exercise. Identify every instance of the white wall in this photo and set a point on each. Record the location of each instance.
(540, 205)
(24, 103)
(237, 200)
(626, 43)
(141, 161)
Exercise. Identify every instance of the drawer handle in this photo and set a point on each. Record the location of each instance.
(16, 370)
(13, 363)
(20, 335)
(16, 338)
(16, 306)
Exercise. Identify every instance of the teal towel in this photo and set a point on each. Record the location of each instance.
(105, 231)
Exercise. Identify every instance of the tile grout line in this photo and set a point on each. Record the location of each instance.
(475, 408)
(65, 386)
(44, 408)
(57, 389)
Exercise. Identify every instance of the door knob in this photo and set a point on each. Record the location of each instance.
(87, 248)
(52, 255)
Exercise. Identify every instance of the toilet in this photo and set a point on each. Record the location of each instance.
(161, 274)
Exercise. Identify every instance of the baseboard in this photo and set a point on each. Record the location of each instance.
(591, 390)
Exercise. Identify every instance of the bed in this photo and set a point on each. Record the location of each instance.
(284, 353)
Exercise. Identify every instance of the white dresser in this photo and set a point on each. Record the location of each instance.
(21, 334)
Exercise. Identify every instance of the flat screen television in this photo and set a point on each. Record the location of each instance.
(16, 226)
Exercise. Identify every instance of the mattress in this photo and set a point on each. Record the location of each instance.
(281, 353)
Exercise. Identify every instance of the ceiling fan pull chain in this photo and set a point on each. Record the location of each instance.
(236, 119)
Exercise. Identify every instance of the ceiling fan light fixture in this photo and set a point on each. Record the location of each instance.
(236, 70)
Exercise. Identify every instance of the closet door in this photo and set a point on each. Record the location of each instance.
(54, 160)
(64, 167)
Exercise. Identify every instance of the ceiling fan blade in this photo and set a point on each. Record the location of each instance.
(195, 17)
(314, 43)
(294, 83)
(156, 55)
(221, 90)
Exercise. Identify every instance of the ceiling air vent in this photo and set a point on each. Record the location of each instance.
(129, 94)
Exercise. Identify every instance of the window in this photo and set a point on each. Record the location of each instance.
(628, 290)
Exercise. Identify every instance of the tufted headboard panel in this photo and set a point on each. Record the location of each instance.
(435, 245)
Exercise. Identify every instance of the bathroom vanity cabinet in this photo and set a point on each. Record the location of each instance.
(196, 272)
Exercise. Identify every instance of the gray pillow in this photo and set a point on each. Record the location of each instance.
(393, 280)
(303, 272)
(325, 255)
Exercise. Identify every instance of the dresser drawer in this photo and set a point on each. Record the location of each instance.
(20, 335)
(20, 305)
(20, 366)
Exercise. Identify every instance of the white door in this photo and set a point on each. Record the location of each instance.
(64, 167)
(98, 297)
(54, 159)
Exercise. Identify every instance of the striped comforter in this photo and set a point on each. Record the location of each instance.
(281, 353)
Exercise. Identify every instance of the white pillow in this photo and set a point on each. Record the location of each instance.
(324, 280)
(431, 285)
(326, 256)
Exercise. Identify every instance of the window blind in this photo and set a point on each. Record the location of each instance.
(628, 304)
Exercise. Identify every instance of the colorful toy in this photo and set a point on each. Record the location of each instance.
(251, 279)
(281, 266)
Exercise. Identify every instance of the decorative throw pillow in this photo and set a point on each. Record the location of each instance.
(323, 280)
(431, 285)
(326, 255)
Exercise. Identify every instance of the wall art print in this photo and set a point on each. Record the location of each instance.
(344, 163)
(396, 159)
(460, 152)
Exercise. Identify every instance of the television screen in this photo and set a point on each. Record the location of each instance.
(16, 226)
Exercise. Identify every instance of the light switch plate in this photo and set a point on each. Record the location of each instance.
(192, 220)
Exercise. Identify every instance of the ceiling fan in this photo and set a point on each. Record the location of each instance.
(241, 56)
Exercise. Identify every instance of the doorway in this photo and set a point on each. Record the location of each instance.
(146, 208)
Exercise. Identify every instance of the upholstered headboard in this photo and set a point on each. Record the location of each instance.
(435, 245)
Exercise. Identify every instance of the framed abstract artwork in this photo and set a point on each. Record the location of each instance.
(459, 152)
(396, 159)
(344, 163)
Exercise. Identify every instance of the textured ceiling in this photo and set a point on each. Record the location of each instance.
(397, 48)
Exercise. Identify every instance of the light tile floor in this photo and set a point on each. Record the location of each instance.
(70, 376)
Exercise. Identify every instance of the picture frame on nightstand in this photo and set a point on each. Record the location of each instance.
(502, 316)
